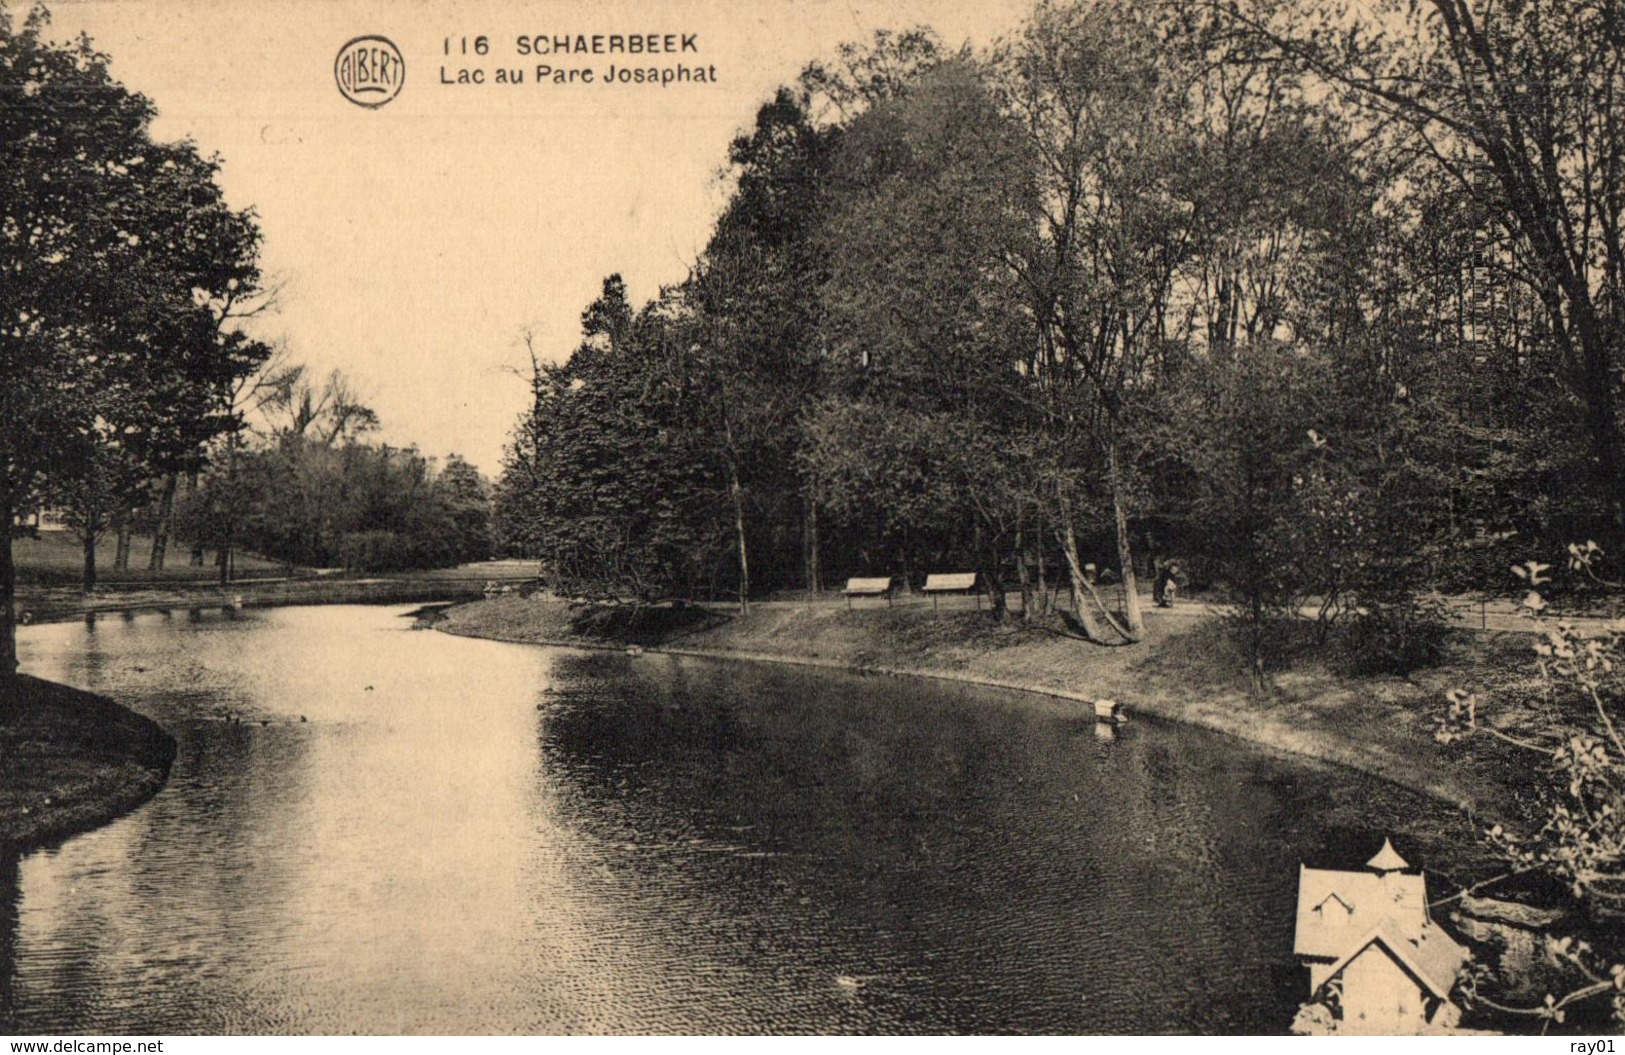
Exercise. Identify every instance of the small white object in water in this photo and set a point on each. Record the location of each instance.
(847, 981)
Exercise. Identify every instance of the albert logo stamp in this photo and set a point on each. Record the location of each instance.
(370, 71)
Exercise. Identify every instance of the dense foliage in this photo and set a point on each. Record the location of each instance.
(1178, 282)
(300, 483)
(120, 264)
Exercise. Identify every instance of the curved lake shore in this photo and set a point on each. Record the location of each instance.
(370, 828)
(75, 761)
(1184, 670)
(72, 761)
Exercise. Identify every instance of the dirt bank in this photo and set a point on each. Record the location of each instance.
(71, 761)
(1186, 670)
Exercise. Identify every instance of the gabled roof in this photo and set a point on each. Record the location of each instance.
(1432, 957)
(1394, 901)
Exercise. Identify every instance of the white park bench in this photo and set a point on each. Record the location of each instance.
(868, 588)
(955, 582)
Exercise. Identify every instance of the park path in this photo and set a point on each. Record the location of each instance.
(1469, 613)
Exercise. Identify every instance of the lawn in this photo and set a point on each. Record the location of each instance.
(56, 558)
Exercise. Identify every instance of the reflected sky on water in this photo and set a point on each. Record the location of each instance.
(374, 829)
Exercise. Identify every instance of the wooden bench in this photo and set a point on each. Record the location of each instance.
(868, 588)
(954, 582)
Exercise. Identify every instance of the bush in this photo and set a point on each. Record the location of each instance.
(1395, 636)
(379, 551)
(1274, 641)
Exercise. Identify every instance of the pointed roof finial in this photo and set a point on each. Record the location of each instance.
(1387, 860)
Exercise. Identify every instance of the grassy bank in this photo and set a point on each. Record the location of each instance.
(57, 558)
(1186, 669)
(71, 761)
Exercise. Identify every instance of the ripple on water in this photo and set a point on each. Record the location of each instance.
(433, 834)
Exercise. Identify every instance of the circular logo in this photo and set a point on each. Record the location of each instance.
(370, 71)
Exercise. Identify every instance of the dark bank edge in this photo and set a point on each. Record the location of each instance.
(72, 761)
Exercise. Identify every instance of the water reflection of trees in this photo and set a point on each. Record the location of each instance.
(991, 860)
(145, 904)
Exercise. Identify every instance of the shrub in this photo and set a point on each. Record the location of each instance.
(1395, 636)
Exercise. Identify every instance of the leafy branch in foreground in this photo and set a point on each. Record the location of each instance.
(1572, 718)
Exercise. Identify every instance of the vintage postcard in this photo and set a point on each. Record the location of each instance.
(836, 517)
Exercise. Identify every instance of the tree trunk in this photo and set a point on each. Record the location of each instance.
(8, 603)
(121, 552)
(1125, 550)
(1256, 611)
(228, 527)
(1602, 418)
(987, 571)
(809, 540)
(1044, 607)
(1080, 579)
(89, 538)
(739, 527)
(160, 532)
(197, 554)
(1024, 575)
(1000, 610)
(1080, 590)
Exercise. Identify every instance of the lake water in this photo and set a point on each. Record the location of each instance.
(379, 830)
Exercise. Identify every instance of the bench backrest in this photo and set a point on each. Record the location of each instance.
(868, 586)
(955, 581)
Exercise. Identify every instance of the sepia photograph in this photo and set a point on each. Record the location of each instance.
(879, 518)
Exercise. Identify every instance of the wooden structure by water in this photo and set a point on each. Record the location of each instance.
(1378, 964)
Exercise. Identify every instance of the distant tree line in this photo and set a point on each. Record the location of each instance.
(1326, 310)
(301, 483)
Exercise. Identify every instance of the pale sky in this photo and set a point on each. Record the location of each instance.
(417, 241)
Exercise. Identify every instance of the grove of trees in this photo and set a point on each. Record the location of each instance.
(1209, 282)
(299, 481)
(132, 397)
(120, 266)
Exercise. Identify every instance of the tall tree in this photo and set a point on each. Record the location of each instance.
(110, 246)
(466, 497)
(924, 322)
(609, 482)
(1108, 124)
(752, 304)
